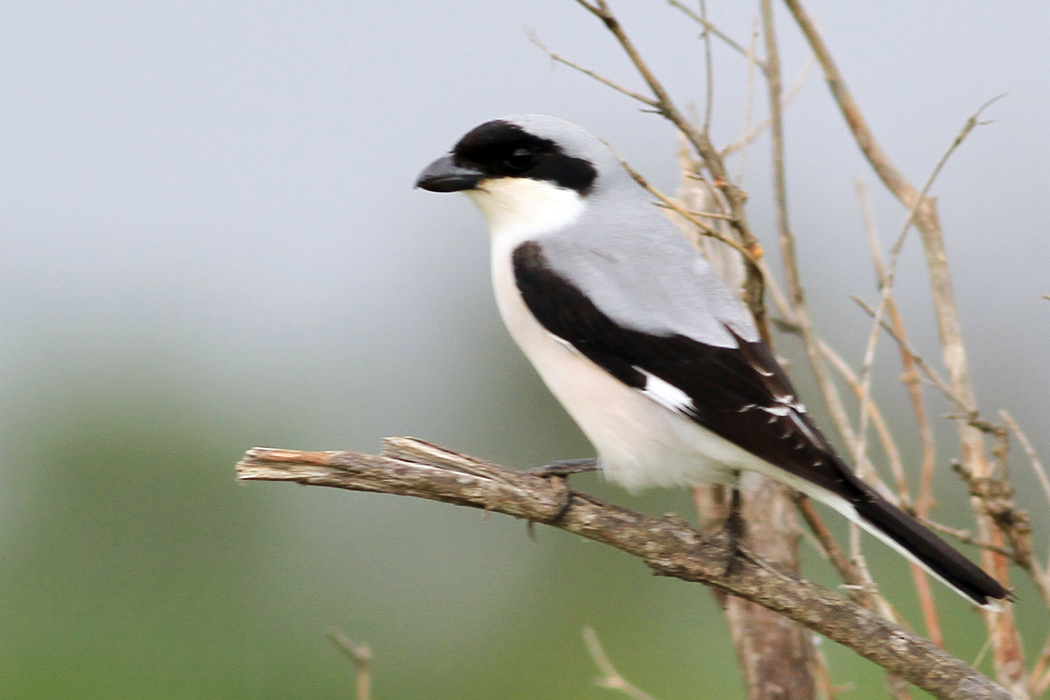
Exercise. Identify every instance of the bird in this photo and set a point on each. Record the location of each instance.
(641, 341)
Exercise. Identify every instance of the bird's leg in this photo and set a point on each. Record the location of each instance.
(562, 469)
(734, 525)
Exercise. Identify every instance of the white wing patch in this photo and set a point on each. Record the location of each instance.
(786, 407)
(792, 408)
(666, 394)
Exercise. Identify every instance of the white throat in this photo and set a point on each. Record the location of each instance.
(519, 208)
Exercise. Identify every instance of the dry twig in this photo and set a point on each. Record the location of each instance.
(361, 656)
(610, 677)
(709, 27)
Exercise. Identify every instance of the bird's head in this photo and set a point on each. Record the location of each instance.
(523, 172)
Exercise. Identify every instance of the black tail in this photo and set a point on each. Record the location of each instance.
(929, 550)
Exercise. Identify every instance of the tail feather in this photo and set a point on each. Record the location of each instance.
(904, 533)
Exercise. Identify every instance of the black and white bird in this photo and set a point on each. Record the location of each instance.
(641, 341)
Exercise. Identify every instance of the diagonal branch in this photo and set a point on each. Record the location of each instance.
(610, 677)
(558, 58)
(361, 656)
(411, 467)
(702, 20)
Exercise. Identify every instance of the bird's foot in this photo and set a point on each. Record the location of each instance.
(562, 469)
(565, 467)
(735, 529)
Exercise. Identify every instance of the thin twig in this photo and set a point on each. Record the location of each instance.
(1040, 574)
(860, 563)
(1033, 458)
(1041, 671)
(862, 133)
(752, 58)
(610, 677)
(711, 215)
(534, 38)
(361, 656)
(910, 377)
(995, 496)
(856, 587)
(889, 445)
(790, 324)
(888, 275)
(709, 68)
(708, 26)
(821, 672)
(931, 374)
(789, 97)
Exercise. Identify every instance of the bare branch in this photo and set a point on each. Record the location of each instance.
(966, 413)
(1041, 671)
(749, 104)
(1033, 458)
(710, 28)
(1040, 574)
(610, 677)
(414, 468)
(361, 656)
(751, 134)
(862, 133)
(820, 671)
(590, 73)
(856, 587)
(709, 66)
(889, 445)
(910, 378)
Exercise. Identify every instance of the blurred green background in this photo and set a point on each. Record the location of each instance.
(209, 242)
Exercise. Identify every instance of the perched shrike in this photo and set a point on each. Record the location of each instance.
(642, 343)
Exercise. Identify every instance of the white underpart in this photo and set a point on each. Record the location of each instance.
(642, 438)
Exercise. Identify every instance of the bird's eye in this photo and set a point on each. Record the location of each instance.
(518, 160)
